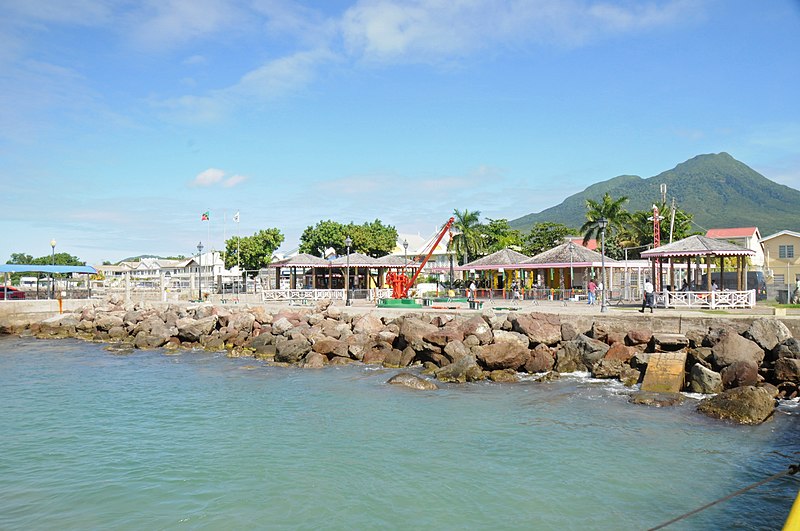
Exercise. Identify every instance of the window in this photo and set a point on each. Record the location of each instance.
(779, 279)
(786, 251)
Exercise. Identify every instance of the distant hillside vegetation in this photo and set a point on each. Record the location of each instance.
(717, 189)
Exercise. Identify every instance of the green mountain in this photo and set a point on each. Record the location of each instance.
(717, 189)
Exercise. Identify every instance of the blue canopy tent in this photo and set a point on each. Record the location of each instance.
(51, 269)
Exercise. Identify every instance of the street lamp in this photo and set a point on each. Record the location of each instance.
(199, 275)
(405, 253)
(603, 223)
(53, 262)
(348, 242)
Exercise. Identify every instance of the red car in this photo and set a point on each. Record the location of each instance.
(13, 293)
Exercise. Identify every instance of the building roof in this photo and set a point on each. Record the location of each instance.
(30, 268)
(578, 240)
(781, 233)
(568, 253)
(503, 258)
(300, 260)
(355, 260)
(394, 260)
(698, 246)
(736, 232)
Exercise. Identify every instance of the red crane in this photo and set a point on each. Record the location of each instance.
(400, 282)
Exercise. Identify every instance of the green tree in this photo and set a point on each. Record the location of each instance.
(252, 252)
(373, 239)
(467, 241)
(497, 235)
(324, 234)
(544, 236)
(613, 211)
(638, 233)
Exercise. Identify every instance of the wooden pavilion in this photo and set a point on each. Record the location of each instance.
(696, 249)
(561, 266)
(496, 271)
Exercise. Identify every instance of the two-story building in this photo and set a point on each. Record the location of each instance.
(747, 237)
(782, 262)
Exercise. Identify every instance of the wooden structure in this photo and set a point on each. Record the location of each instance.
(711, 251)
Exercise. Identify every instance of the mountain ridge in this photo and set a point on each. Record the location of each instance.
(717, 189)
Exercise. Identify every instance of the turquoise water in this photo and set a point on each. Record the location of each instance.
(91, 440)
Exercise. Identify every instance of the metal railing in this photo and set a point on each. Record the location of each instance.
(707, 299)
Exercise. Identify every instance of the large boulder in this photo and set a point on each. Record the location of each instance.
(704, 380)
(414, 330)
(787, 370)
(620, 352)
(654, 399)
(455, 350)
(509, 351)
(368, 324)
(478, 327)
(540, 328)
(569, 358)
(442, 336)
(281, 326)
(541, 359)
(591, 350)
(291, 350)
(739, 373)
(331, 347)
(767, 333)
(105, 322)
(607, 368)
(745, 405)
(412, 381)
(241, 321)
(639, 336)
(788, 348)
(668, 342)
(463, 370)
(192, 330)
(732, 347)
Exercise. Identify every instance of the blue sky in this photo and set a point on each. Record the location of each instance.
(122, 122)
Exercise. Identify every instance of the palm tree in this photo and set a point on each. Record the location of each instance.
(466, 241)
(609, 209)
(639, 231)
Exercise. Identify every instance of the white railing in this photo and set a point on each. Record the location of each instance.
(707, 299)
(305, 295)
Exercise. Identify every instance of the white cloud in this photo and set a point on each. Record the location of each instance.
(208, 177)
(424, 30)
(234, 180)
(164, 23)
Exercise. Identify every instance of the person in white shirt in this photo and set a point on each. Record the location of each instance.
(649, 296)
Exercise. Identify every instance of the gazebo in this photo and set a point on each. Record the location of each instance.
(560, 263)
(697, 248)
(499, 269)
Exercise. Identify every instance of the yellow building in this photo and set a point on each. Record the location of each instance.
(782, 261)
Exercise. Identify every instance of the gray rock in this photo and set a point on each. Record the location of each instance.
(732, 347)
(463, 370)
(193, 330)
(788, 348)
(412, 381)
(540, 328)
(787, 370)
(738, 373)
(368, 324)
(648, 398)
(768, 333)
(281, 326)
(478, 328)
(704, 380)
(291, 350)
(745, 405)
(607, 368)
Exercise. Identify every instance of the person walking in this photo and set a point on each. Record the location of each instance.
(592, 291)
(649, 299)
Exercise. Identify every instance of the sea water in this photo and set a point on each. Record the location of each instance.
(91, 439)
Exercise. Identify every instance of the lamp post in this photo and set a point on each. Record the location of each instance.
(53, 263)
(603, 223)
(348, 242)
(199, 274)
(405, 253)
(571, 273)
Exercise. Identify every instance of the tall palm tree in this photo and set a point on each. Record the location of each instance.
(612, 210)
(467, 241)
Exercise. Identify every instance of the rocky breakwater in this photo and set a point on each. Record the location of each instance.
(744, 370)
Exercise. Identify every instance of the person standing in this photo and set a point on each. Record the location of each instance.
(649, 296)
(592, 290)
(472, 290)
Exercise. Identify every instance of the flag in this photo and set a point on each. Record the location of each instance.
(204, 216)
(236, 218)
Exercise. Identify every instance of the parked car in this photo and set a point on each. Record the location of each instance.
(13, 293)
